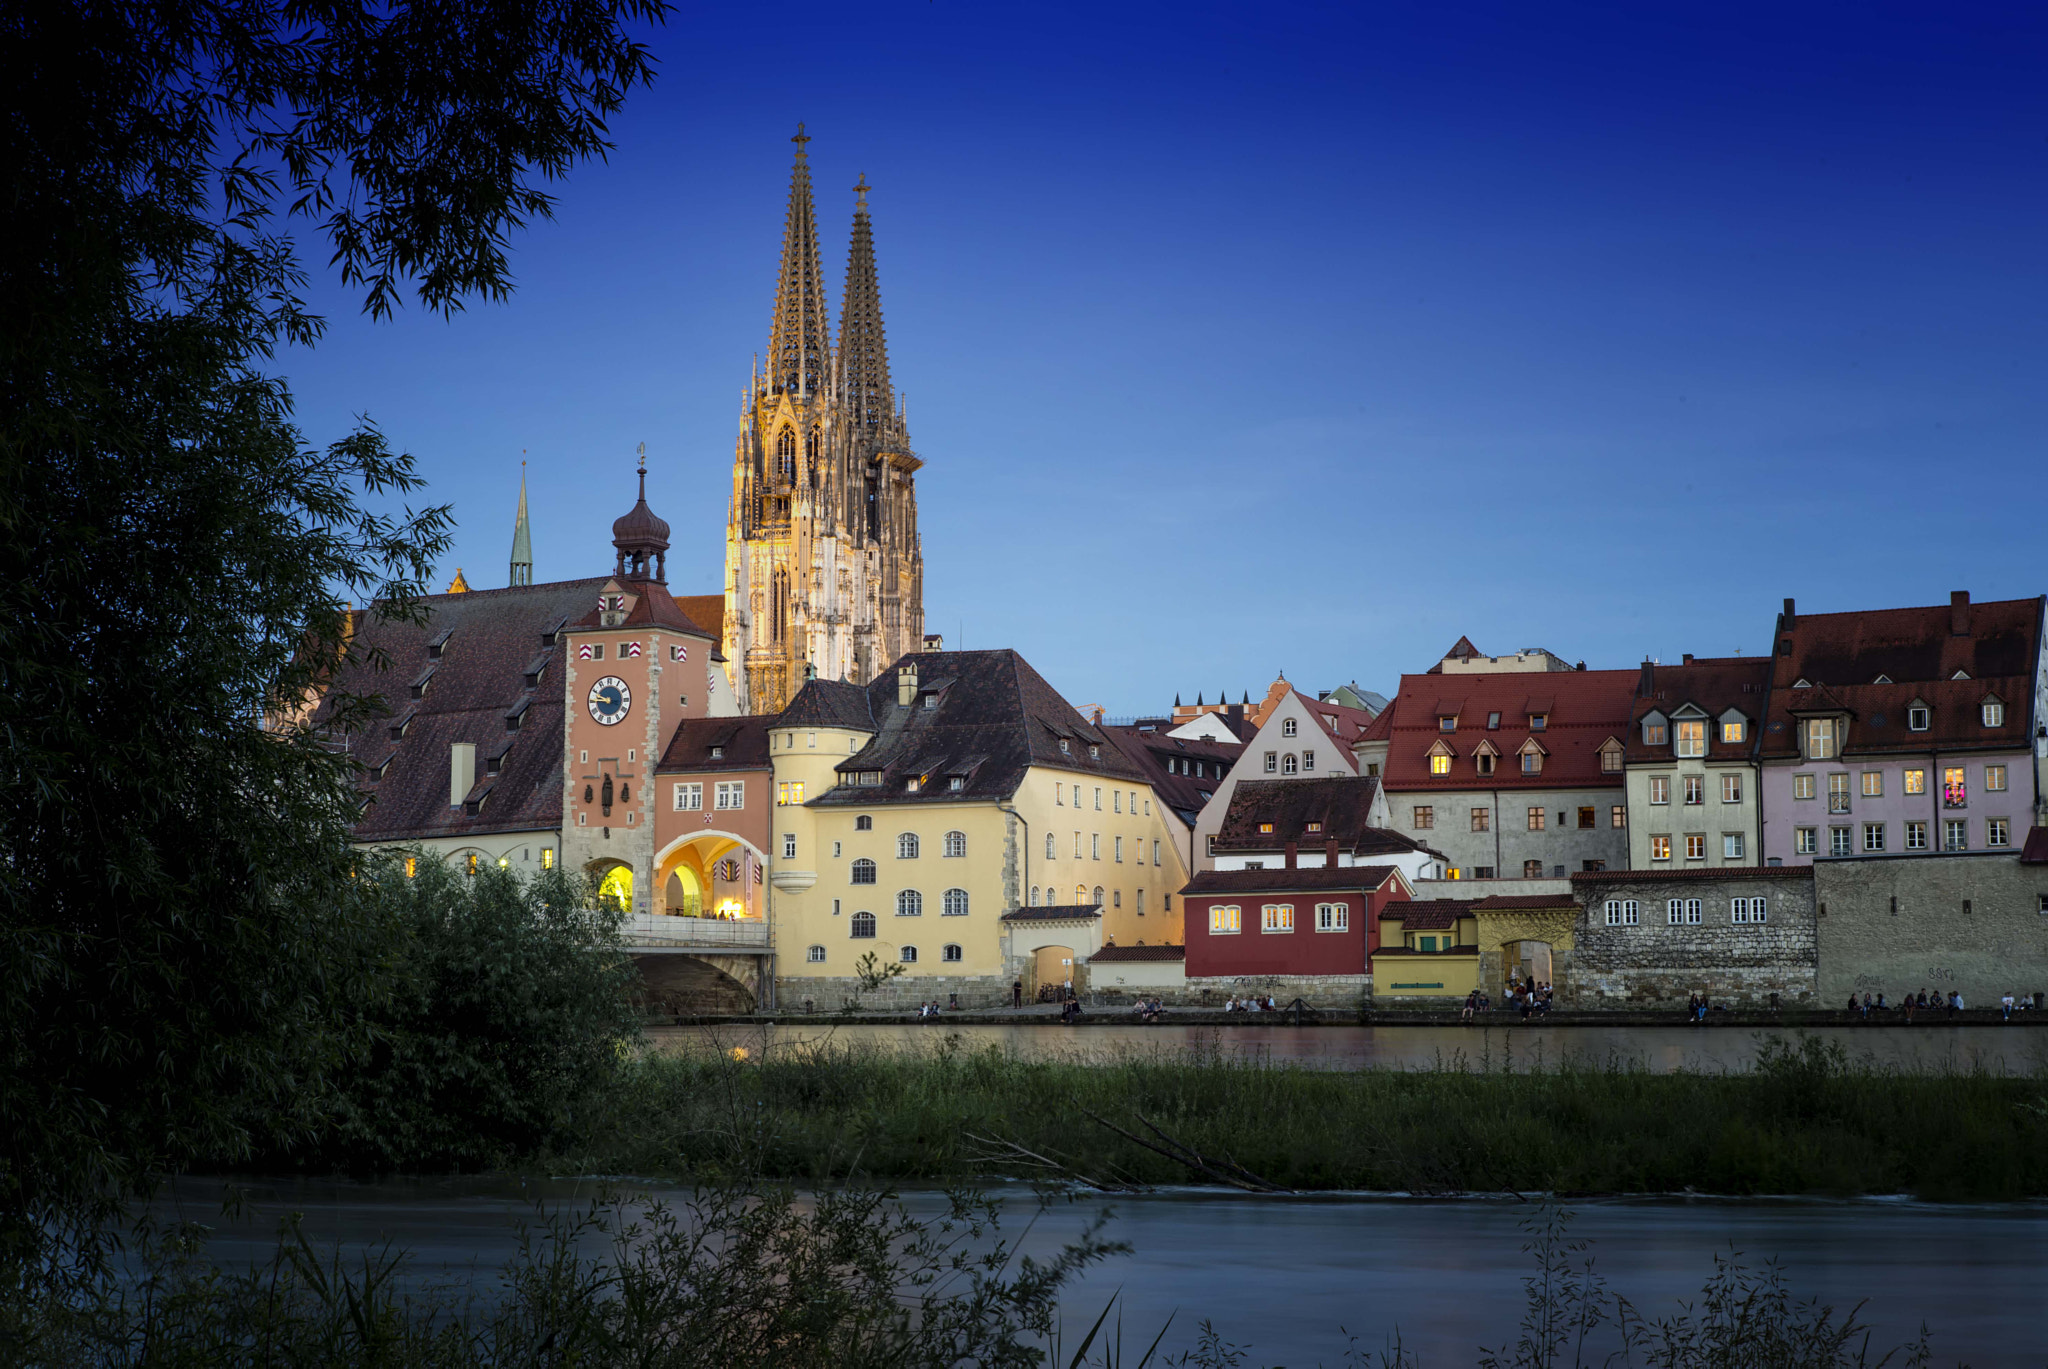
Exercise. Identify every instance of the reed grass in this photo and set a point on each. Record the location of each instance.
(1804, 1120)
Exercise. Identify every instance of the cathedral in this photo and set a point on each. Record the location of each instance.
(823, 572)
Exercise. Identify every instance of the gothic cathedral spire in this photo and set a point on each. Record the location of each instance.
(823, 576)
(522, 538)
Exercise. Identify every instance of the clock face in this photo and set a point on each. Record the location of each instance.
(610, 700)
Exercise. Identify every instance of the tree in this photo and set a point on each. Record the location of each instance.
(181, 961)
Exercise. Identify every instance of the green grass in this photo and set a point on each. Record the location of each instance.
(1805, 1120)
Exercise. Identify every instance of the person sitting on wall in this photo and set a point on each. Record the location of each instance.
(1149, 1010)
(1471, 1006)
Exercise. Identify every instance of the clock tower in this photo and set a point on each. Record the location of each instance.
(635, 669)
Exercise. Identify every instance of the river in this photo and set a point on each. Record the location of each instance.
(1998, 1049)
(1288, 1276)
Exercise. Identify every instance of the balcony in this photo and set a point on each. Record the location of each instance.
(709, 934)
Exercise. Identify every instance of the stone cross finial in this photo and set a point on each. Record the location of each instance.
(861, 190)
(800, 139)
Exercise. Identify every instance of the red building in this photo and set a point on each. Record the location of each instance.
(1293, 926)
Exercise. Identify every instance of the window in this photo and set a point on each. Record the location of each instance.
(1732, 730)
(1802, 786)
(953, 903)
(1610, 760)
(1916, 836)
(908, 954)
(1272, 762)
(1731, 846)
(1276, 917)
(909, 903)
(864, 823)
(1288, 764)
(789, 792)
(789, 846)
(1806, 841)
(1954, 793)
(1617, 816)
(1532, 869)
(1225, 919)
(1287, 727)
(1449, 724)
(1098, 798)
(1155, 850)
(1873, 836)
(1532, 762)
(1682, 912)
(1119, 850)
(1484, 761)
(1919, 718)
(1425, 943)
(1482, 872)
(1660, 848)
(1660, 789)
(1695, 846)
(1333, 917)
(1308, 760)
(1654, 733)
(1095, 846)
(861, 926)
(906, 846)
(689, 797)
(1492, 722)
(1994, 713)
(1622, 912)
(955, 845)
(1059, 795)
(1838, 841)
(835, 850)
(1695, 789)
(1141, 903)
(1536, 819)
(1994, 779)
(1873, 784)
(1482, 819)
(1052, 847)
(732, 793)
(1077, 846)
(1731, 787)
(1538, 721)
(1116, 801)
(1820, 739)
(1097, 900)
(547, 857)
(950, 953)
(956, 782)
(1425, 818)
(1692, 738)
(816, 955)
(1587, 818)
(863, 871)
(1838, 793)
(1748, 910)
(1914, 781)
(1955, 835)
(1440, 764)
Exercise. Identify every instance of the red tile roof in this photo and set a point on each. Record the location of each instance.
(1692, 876)
(706, 611)
(1509, 903)
(2035, 852)
(1583, 709)
(1741, 683)
(1361, 877)
(1877, 716)
(1130, 953)
(653, 606)
(1427, 914)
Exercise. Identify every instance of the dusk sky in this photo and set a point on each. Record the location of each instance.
(1260, 338)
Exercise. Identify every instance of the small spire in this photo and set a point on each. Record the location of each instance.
(522, 536)
(458, 585)
(643, 472)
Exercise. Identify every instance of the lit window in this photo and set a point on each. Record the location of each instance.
(861, 925)
(1482, 819)
(1994, 714)
(1916, 836)
(1660, 789)
(1997, 832)
(1915, 781)
(1873, 784)
(470, 864)
(953, 903)
(1994, 779)
(1439, 764)
(1333, 917)
(1617, 816)
(1695, 846)
(863, 871)
(1265, 827)
(906, 846)
(909, 903)
(1653, 732)
(956, 844)
(1660, 848)
(1276, 917)
(950, 953)
(1732, 730)
(1802, 786)
(1873, 836)
(1731, 846)
(1536, 818)
(789, 792)
(1692, 738)
(1806, 841)
(816, 955)
(1225, 920)
(1820, 739)
(547, 857)
(1954, 793)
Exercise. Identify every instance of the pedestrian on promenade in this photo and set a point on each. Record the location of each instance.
(2006, 1004)
(1016, 993)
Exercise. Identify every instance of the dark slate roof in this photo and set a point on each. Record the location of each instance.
(994, 718)
(744, 741)
(1692, 876)
(1919, 651)
(1360, 877)
(2035, 852)
(829, 703)
(489, 639)
(1742, 683)
(1184, 794)
(1429, 914)
(1509, 903)
(1128, 953)
(1058, 912)
(1340, 803)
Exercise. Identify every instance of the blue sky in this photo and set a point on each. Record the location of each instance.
(1248, 338)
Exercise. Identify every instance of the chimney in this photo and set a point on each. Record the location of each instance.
(906, 685)
(461, 772)
(1291, 851)
(1330, 853)
(1959, 613)
(1790, 616)
(1688, 658)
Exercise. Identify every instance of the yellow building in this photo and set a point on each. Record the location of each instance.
(958, 818)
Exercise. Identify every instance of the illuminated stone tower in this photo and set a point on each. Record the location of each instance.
(823, 572)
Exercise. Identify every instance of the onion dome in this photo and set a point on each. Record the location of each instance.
(641, 538)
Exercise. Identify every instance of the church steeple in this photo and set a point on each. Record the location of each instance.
(522, 538)
(863, 351)
(799, 341)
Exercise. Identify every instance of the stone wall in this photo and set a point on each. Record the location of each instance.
(1965, 923)
(1655, 964)
(689, 985)
(831, 994)
(1348, 991)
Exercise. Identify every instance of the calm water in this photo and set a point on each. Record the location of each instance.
(1284, 1275)
(2001, 1049)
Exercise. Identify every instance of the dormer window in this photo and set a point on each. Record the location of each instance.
(1994, 713)
(1882, 679)
(1493, 722)
(1439, 759)
(1484, 760)
(931, 701)
(1538, 721)
(956, 782)
(1960, 675)
(1315, 827)
(1532, 757)
(1094, 752)
(1692, 738)
(1654, 732)
(1734, 730)
(1820, 739)
(1919, 717)
(1288, 727)
(1066, 748)
(1611, 756)
(1265, 828)
(1448, 723)
(718, 753)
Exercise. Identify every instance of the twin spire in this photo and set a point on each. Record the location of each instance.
(800, 350)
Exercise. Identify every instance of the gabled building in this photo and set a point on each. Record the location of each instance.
(1184, 773)
(1693, 802)
(1289, 932)
(1300, 737)
(1510, 774)
(1904, 730)
(1335, 822)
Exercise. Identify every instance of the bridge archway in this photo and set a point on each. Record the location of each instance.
(674, 985)
(710, 874)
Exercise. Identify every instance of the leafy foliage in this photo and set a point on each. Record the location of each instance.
(176, 560)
